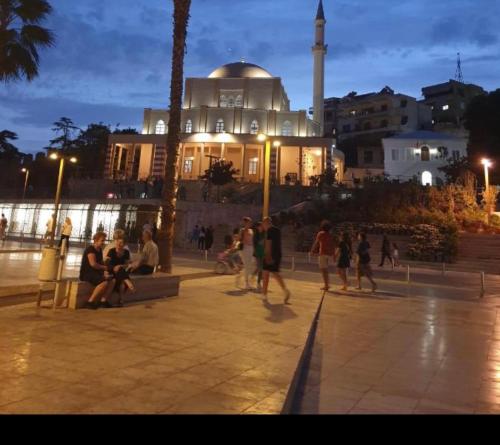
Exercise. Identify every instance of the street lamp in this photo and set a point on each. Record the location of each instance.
(62, 160)
(267, 170)
(487, 164)
(25, 170)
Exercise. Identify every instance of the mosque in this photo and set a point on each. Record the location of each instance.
(221, 117)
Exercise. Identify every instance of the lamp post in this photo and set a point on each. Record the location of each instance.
(62, 161)
(487, 164)
(267, 171)
(27, 172)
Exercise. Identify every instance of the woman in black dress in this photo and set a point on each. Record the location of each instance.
(344, 254)
(94, 271)
(118, 260)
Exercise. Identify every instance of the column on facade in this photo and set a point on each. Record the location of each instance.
(243, 165)
(301, 168)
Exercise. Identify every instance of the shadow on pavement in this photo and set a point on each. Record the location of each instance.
(278, 312)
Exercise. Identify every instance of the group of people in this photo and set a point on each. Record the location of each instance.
(258, 246)
(110, 269)
(329, 248)
(202, 237)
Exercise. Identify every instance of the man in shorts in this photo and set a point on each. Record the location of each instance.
(272, 258)
(325, 246)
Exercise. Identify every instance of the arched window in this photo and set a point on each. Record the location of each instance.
(160, 127)
(230, 102)
(189, 126)
(219, 126)
(425, 154)
(239, 101)
(426, 178)
(287, 129)
(254, 127)
(223, 101)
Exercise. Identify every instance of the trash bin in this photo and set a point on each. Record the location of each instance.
(49, 264)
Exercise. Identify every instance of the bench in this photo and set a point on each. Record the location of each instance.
(148, 287)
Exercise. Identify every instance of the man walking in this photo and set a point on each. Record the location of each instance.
(272, 258)
(386, 251)
(3, 227)
(325, 246)
(363, 262)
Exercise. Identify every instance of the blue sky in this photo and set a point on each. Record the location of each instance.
(112, 57)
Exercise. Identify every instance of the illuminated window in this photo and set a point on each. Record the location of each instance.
(446, 107)
(254, 127)
(223, 101)
(287, 129)
(252, 166)
(426, 178)
(230, 102)
(188, 165)
(160, 127)
(219, 126)
(239, 101)
(189, 126)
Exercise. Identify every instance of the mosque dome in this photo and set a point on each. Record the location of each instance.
(240, 69)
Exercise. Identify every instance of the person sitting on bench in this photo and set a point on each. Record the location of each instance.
(94, 271)
(148, 257)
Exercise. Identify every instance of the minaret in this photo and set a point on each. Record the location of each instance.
(319, 51)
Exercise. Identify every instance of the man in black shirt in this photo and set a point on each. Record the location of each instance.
(386, 251)
(272, 258)
(363, 261)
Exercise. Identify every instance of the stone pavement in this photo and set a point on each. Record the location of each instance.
(211, 350)
(387, 354)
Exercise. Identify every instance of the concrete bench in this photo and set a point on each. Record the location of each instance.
(148, 287)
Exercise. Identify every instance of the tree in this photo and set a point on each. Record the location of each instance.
(166, 234)
(220, 173)
(128, 130)
(481, 119)
(21, 37)
(7, 149)
(90, 148)
(65, 129)
(456, 169)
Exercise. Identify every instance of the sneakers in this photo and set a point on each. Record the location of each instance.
(91, 305)
(287, 296)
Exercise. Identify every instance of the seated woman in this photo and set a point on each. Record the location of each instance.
(148, 258)
(94, 271)
(118, 260)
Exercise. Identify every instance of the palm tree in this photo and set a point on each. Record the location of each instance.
(21, 36)
(7, 149)
(166, 235)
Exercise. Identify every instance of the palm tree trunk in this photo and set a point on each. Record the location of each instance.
(166, 233)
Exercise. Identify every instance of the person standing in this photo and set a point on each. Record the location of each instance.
(209, 238)
(344, 254)
(395, 255)
(201, 238)
(363, 262)
(272, 258)
(246, 249)
(66, 230)
(259, 240)
(49, 227)
(386, 251)
(3, 227)
(195, 235)
(324, 244)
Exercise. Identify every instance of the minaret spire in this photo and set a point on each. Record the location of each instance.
(319, 51)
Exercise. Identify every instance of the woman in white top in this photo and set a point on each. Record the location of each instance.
(246, 250)
(66, 230)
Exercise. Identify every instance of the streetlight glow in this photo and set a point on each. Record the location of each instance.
(23, 170)
(53, 156)
(276, 144)
(486, 162)
(73, 160)
(261, 137)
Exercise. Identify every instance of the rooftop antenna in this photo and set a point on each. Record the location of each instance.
(458, 74)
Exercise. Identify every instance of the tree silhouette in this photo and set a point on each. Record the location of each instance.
(7, 149)
(220, 173)
(21, 36)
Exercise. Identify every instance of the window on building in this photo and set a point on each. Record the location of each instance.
(384, 107)
(188, 165)
(219, 126)
(404, 103)
(287, 129)
(253, 165)
(404, 120)
(346, 128)
(160, 127)
(223, 101)
(395, 154)
(189, 126)
(425, 154)
(368, 156)
(446, 107)
(254, 127)
(230, 102)
(239, 101)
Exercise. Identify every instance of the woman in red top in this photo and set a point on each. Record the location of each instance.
(324, 245)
